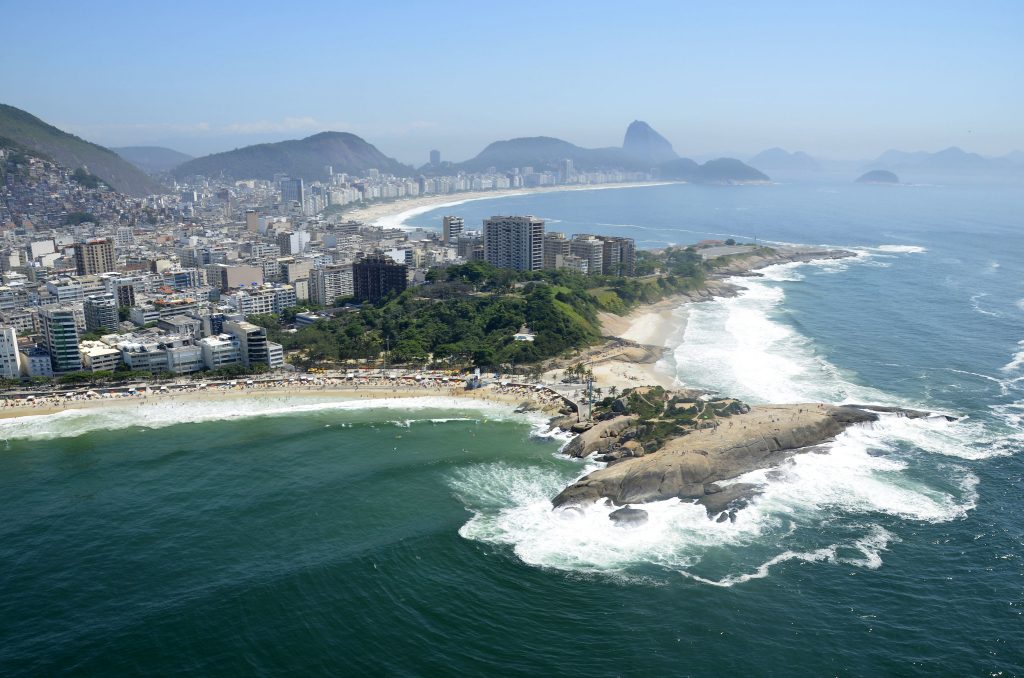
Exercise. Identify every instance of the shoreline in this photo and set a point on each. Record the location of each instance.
(636, 342)
(395, 214)
(522, 397)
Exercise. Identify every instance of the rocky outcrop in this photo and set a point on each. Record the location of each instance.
(688, 466)
(628, 517)
(603, 436)
(748, 264)
(646, 145)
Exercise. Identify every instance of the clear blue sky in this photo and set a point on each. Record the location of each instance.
(835, 79)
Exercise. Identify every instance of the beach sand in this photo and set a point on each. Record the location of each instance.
(636, 343)
(510, 395)
(395, 214)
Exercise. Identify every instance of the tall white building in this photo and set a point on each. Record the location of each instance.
(10, 363)
(451, 228)
(514, 242)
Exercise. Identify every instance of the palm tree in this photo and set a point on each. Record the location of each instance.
(612, 390)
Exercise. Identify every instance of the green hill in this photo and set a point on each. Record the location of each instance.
(720, 171)
(152, 159)
(300, 158)
(66, 149)
(727, 170)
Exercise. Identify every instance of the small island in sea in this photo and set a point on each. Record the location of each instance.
(878, 177)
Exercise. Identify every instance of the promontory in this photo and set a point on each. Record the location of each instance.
(662, 444)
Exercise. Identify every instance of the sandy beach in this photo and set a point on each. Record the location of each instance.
(395, 214)
(504, 392)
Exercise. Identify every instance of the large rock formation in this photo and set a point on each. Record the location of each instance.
(687, 466)
(644, 144)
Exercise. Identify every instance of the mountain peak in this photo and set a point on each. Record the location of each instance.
(643, 143)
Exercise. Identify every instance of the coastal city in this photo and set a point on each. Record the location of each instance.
(511, 339)
(97, 284)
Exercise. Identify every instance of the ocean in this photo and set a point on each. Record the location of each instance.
(307, 536)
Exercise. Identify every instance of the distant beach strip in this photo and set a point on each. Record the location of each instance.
(395, 214)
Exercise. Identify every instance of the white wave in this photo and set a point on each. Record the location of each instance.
(782, 272)
(734, 345)
(152, 414)
(897, 468)
(800, 501)
(902, 249)
(1017, 361)
(975, 304)
(513, 507)
(870, 546)
(863, 472)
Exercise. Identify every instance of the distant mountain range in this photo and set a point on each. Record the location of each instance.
(152, 159)
(72, 152)
(302, 158)
(643, 150)
(952, 160)
(780, 161)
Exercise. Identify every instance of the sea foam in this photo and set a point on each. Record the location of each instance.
(862, 475)
(840, 506)
(159, 413)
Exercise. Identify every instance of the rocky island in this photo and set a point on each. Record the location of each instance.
(661, 444)
(878, 177)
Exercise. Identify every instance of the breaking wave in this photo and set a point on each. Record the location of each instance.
(842, 505)
(156, 413)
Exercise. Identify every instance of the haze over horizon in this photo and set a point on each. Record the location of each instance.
(847, 82)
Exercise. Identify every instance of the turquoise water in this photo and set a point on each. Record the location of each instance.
(270, 535)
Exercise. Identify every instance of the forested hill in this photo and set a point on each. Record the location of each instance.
(28, 131)
(301, 158)
(467, 315)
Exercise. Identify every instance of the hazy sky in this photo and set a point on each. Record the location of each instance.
(735, 77)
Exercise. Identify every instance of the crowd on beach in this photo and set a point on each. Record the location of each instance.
(357, 383)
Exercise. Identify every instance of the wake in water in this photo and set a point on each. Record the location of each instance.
(842, 506)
